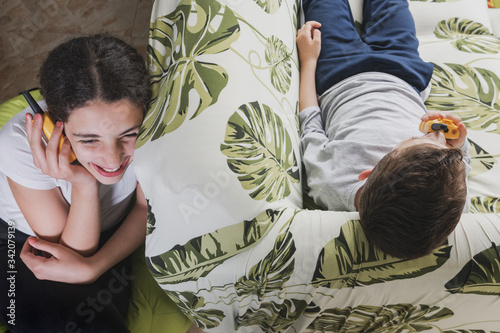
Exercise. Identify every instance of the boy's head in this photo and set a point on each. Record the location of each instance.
(413, 199)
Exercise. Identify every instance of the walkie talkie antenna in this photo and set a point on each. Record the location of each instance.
(31, 101)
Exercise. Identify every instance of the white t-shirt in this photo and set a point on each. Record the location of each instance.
(16, 162)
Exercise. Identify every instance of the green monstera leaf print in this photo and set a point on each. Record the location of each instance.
(472, 93)
(468, 36)
(485, 205)
(270, 273)
(394, 318)
(481, 275)
(177, 73)
(279, 56)
(259, 149)
(192, 306)
(350, 260)
(272, 316)
(202, 254)
(151, 220)
(267, 278)
(269, 6)
(481, 160)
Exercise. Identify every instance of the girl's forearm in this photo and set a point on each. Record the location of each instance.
(83, 226)
(129, 236)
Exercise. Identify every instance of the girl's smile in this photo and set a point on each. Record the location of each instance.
(109, 172)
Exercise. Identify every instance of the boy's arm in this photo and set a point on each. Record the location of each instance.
(309, 47)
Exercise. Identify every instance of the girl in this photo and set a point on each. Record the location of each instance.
(74, 224)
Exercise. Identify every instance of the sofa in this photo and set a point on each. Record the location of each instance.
(234, 244)
(233, 238)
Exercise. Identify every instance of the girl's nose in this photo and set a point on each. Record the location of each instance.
(113, 155)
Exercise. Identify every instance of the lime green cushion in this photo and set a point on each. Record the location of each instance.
(150, 309)
(15, 105)
(7, 110)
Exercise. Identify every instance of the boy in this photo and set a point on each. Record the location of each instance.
(372, 87)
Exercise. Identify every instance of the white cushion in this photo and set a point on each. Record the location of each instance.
(494, 14)
(429, 14)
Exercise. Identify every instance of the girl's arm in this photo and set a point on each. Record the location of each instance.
(309, 47)
(67, 266)
(51, 218)
(129, 236)
(76, 226)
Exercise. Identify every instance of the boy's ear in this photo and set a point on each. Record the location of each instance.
(363, 175)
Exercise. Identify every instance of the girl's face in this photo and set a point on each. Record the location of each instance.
(103, 136)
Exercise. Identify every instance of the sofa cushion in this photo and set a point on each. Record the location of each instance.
(220, 141)
(14, 105)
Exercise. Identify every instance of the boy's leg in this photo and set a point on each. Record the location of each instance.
(340, 41)
(389, 30)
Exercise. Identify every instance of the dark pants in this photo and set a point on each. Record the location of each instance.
(387, 42)
(34, 305)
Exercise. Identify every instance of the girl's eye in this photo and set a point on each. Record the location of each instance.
(131, 135)
(88, 142)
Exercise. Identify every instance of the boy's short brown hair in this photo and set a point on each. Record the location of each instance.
(413, 199)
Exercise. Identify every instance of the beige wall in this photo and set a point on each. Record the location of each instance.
(29, 29)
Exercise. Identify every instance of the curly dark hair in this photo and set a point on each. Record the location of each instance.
(96, 67)
(413, 199)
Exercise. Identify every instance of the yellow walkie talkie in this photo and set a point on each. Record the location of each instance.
(48, 124)
(447, 126)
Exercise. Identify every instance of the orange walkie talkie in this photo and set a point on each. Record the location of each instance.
(48, 124)
(447, 126)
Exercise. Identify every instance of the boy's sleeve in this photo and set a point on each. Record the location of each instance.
(313, 140)
(313, 135)
(311, 125)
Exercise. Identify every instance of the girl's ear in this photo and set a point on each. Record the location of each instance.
(363, 175)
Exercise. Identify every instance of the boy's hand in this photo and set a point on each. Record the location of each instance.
(455, 143)
(309, 42)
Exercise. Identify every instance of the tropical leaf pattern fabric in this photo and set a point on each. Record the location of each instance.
(350, 261)
(176, 68)
(259, 148)
(232, 238)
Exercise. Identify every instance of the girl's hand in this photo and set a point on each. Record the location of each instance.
(58, 262)
(49, 159)
(454, 143)
(309, 41)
